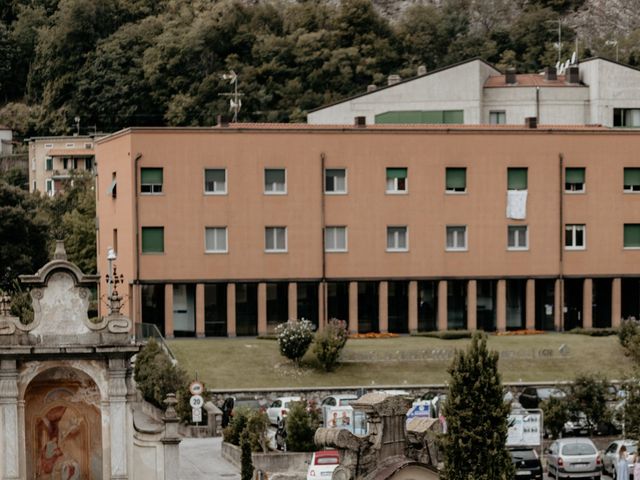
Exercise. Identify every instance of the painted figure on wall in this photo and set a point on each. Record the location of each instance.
(60, 438)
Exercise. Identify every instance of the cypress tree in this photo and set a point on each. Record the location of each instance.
(474, 445)
(246, 462)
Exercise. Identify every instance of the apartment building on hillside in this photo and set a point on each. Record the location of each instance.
(231, 230)
(595, 91)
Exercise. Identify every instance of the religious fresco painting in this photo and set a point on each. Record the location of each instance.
(63, 426)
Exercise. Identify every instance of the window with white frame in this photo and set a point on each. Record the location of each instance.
(215, 181)
(457, 237)
(632, 235)
(517, 237)
(151, 180)
(397, 180)
(275, 181)
(215, 240)
(335, 180)
(456, 180)
(575, 237)
(574, 179)
(632, 179)
(397, 239)
(275, 239)
(497, 117)
(335, 239)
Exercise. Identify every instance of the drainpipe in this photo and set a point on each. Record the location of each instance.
(323, 283)
(561, 251)
(538, 105)
(136, 277)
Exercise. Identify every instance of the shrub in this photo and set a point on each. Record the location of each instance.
(294, 338)
(254, 423)
(556, 414)
(588, 395)
(594, 332)
(329, 343)
(246, 462)
(237, 425)
(445, 334)
(628, 329)
(302, 423)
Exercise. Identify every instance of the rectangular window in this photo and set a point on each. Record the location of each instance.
(275, 181)
(456, 180)
(65, 163)
(152, 239)
(457, 237)
(497, 118)
(215, 240)
(215, 181)
(397, 239)
(48, 164)
(574, 179)
(88, 146)
(151, 180)
(88, 163)
(335, 180)
(632, 179)
(396, 180)
(335, 239)
(113, 188)
(517, 237)
(49, 186)
(70, 145)
(275, 239)
(575, 237)
(632, 235)
(114, 240)
(48, 145)
(626, 117)
(517, 178)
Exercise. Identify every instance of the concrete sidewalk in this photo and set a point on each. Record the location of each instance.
(200, 459)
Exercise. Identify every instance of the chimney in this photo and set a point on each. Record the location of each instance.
(531, 122)
(371, 88)
(221, 121)
(573, 74)
(550, 73)
(360, 121)
(510, 76)
(393, 79)
(422, 70)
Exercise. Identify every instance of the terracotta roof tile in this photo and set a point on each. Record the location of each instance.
(528, 80)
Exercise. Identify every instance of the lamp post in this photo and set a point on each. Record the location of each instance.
(111, 257)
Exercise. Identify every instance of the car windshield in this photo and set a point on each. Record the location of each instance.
(545, 393)
(327, 461)
(345, 401)
(523, 454)
(578, 449)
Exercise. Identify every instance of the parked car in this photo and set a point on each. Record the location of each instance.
(280, 408)
(322, 465)
(574, 457)
(527, 463)
(532, 396)
(232, 404)
(576, 427)
(610, 456)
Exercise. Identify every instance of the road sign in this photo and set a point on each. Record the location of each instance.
(196, 388)
(419, 410)
(524, 429)
(196, 401)
(196, 415)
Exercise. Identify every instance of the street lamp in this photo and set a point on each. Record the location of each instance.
(111, 257)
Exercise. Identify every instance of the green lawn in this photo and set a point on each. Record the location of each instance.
(252, 363)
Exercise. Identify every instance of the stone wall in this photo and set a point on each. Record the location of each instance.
(270, 463)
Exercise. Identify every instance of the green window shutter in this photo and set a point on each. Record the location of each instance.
(151, 176)
(456, 178)
(396, 173)
(517, 178)
(632, 235)
(152, 239)
(49, 163)
(632, 176)
(453, 116)
(574, 175)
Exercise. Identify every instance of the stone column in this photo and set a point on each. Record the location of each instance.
(587, 303)
(443, 309)
(616, 302)
(353, 307)
(501, 305)
(383, 307)
(200, 310)
(530, 299)
(262, 308)
(171, 440)
(472, 305)
(231, 309)
(118, 418)
(168, 310)
(413, 306)
(293, 300)
(558, 305)
(10, 456)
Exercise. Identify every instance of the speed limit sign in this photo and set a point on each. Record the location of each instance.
(196, 401)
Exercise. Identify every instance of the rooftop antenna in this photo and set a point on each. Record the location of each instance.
(234, 102)
(76, 119)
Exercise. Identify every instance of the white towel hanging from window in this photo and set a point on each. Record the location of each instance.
(517, 204)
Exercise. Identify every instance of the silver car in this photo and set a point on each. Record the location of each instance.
(574, 458)
(610, 458)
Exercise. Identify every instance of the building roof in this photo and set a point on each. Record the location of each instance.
(529, 80)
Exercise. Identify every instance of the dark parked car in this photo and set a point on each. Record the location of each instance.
(527, 463)
(532, 396)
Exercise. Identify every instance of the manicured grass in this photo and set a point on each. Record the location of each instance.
(254, 363)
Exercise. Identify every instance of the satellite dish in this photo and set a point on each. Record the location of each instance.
(573, 58)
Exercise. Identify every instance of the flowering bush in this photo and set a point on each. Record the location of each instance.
(330, 342)
(294, 338)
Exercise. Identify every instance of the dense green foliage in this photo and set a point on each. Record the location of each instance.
(119, 63)
(246, 461)
(329, 342)
(301, 423)
(556, 414)
(445, 334)
(588, 394)
(474, 445)
(254, 423)
(294, 338)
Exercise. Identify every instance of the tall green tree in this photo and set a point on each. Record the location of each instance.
(588, 396)
(474, 445)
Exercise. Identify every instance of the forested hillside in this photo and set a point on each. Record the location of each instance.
(118, 63)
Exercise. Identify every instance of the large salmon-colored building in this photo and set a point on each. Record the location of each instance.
(231, 230)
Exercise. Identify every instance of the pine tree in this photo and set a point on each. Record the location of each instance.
(246, 462)
(474, 445)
